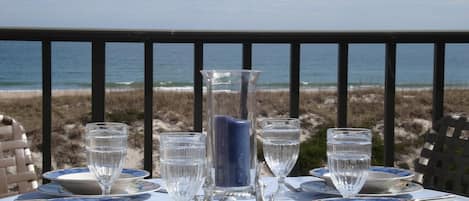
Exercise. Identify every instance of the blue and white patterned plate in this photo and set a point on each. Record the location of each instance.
(82, 181)
(322, 187)
(400, 173)
(380, 179)
(55, 174)
(136, 188)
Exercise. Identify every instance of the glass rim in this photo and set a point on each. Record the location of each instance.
(279, 119)
(266, 122)
(121, 128)
(336, 133)
(182, 134)
(106, 123)
(349, 129)
(181, 137)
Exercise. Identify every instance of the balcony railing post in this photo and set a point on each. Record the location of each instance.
(148, 112)
(438, 81)
(98, 77)
(389, 103)
(342, 85)
(46, 105)
(294, 79)
(247, 56)
(198, 92)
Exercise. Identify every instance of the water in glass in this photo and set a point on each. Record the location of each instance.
(182, 163)
(280, 154)
(348, 156)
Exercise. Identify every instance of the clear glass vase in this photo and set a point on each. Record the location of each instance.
(231, 139)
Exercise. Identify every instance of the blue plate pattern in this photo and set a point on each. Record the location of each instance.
(320, 172)
(53, 175)
(392, 170)
(136, 188)
(322, 187)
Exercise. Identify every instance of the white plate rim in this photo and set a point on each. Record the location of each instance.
(316, 172)
(415, 185)
(64, 193)
(49, 175)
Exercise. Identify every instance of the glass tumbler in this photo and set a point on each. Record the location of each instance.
(348, 158)
(182, 160)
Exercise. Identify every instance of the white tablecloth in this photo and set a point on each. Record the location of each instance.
(271, 186)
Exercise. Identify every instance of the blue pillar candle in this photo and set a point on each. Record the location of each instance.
(232, 152)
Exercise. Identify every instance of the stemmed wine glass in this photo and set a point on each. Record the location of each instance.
(348, 158)
(281, 143)
(182, 160)
(106, 148)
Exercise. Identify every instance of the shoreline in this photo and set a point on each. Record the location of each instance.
(29, 93)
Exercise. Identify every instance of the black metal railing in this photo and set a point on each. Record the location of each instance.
(295, 39)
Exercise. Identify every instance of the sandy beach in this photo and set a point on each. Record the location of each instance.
(71, 109)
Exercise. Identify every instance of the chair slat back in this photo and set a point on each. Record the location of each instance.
(444, 160)
(17, 173)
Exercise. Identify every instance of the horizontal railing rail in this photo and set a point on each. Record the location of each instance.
(233, 37)
(99, 38)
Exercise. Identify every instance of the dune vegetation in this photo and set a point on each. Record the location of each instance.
(173, 112)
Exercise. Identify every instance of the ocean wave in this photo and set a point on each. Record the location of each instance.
(9, 85)
(173, 84)
(125, 83)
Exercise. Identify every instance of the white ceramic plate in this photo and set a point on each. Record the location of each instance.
(136, 188)
(322, 187)
(380, 179)
(81, 180)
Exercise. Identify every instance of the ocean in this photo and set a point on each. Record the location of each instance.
(20, 64)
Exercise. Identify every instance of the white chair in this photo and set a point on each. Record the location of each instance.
(17, 174)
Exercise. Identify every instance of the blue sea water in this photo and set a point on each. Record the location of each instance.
(20, 64)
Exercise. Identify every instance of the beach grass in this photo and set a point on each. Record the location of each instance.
(172, 111)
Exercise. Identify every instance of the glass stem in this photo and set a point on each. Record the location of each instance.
(105, 189)
(281, 180)
(281, 185)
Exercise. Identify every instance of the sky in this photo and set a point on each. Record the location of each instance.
(286, 15)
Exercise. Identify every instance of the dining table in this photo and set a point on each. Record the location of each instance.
(270, 186)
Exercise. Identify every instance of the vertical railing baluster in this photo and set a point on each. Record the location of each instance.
(46, 105)
(148, 111)
(438, 81)
(98, 82)
(389, 101)
(198, 93)
(294, 79)
(342, 85)
(247, 56)
(247, 65)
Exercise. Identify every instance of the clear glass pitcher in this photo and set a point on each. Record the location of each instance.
(231, 139)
